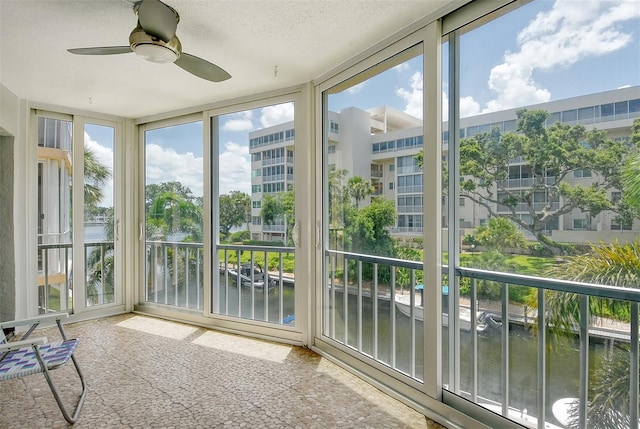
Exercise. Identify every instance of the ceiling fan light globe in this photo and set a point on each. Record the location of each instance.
(153, 49)
(156, 53)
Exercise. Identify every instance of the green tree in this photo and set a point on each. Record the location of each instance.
(359, 189)
(419, 157)
(498, 233)
(279, 208)
(550, 155)
(341, 212)
(608, 264)
(369, 231)
(153, 190)
(631, 170)
(170, 213)
(96, 176)
(234, 208)
(100, 260)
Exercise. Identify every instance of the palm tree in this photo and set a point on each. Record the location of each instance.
(359, 189)
(609, 264)
(99, 263)
(96, 176)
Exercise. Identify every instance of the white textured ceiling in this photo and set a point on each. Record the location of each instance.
(247, 38)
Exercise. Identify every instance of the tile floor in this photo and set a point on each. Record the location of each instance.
(150, 373)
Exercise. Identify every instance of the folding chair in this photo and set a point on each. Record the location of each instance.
(34, 355)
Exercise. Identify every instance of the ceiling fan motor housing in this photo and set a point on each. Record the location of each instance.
(153, 49)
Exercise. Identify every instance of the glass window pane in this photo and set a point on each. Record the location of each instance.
(521, 214)
(255, 253)
(173, 212)
(55, 175)
(369, 225)
(99, 223)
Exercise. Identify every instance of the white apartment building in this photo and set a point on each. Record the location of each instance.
(383, 142)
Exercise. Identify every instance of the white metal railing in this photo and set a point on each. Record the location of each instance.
(524, 207)
(525, 182)
(174, 274)
(414, 189)
(522, 391)
(273, 228)
(55, 275)
(410, 209)
(512, 359)
(273, 161)
(253, 283)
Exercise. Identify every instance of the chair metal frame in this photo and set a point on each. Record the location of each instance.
(43, 357)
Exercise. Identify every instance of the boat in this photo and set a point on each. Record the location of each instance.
(259, 275)
(403, 303)
(560, 410)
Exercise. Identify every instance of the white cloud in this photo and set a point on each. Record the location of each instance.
(241, 121)
(166, 165)
(402, 67)
(235, 169)
(413, 96)
(277, 114)
(468, 106)
(357, 88)
(104, 155)
(560, 37)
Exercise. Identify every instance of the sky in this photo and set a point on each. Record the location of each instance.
(544, 51)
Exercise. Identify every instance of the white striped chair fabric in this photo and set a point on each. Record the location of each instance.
(29, 356)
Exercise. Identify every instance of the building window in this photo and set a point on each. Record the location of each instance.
(391, 185)
(392, 167)
(581, 173)
(620, 225)
(461, 202)
(580, 224)
(332, 148)
(616, 196)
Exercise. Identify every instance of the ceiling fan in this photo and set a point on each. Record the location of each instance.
(155, 40)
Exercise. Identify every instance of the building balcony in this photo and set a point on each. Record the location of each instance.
(524, 182)
(148, 372)
(136, 351)
(524, 207)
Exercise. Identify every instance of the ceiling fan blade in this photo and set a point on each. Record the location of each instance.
(105, 50)
(158, 19)
(201, 68)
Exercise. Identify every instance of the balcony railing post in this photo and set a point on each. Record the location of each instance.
(584, 361)
(635, 355)
(505, 349)
(474, 342)
(412, 321)
(374, 297)
(252, 300)
(392, 316)
(542, 359)
(345, 300)
(187, 286)
(175, 276)
(359, 301)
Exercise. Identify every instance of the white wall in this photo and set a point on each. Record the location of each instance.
(19, 236)
(9, 109)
